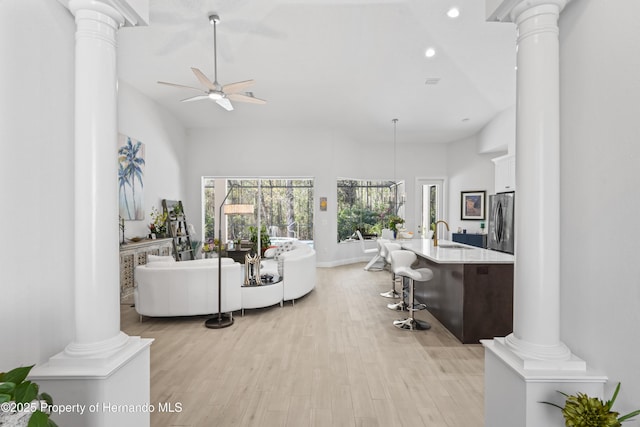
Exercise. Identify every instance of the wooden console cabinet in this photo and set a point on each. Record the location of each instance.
(135, 254)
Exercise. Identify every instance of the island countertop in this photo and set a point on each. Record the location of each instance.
(454, 255)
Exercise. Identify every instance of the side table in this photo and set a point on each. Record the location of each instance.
(265, 295)
(238, 255)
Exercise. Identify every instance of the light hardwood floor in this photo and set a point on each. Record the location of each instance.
(332, 359)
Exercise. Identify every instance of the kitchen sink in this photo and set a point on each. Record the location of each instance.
(453, 247)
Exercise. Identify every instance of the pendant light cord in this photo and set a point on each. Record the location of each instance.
(395, 123)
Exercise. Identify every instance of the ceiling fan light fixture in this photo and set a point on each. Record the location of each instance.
(222, 95)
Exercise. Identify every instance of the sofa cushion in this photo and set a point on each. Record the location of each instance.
(158, 264)
(160, 258)
(283, 248)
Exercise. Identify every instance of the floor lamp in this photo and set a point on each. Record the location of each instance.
(220, 322)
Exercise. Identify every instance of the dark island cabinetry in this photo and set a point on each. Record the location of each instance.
(473, 301)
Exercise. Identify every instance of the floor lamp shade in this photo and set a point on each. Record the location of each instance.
(238, 209)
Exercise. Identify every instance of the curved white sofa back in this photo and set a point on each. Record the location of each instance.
(299, 271)
(187, 288)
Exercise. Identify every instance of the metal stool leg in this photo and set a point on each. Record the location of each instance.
(410, 323)
(392, 293)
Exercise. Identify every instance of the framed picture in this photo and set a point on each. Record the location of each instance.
(323, 203)
(472, 205)
(131, 165)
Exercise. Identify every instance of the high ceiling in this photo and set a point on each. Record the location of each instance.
(350, 66)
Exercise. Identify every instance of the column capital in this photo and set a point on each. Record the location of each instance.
(125, 12)
(509, 10)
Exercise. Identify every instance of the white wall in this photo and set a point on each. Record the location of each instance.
(600, 157)
(321, 154)
(36, 180)
(468, 171)
(37, 175)
(165, 152)
(499, 135)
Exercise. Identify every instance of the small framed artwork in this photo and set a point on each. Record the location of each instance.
(472, 205)
(323, 203)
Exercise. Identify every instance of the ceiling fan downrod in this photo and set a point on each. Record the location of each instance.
(214, 19)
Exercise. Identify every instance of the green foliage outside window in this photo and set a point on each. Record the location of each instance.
(286, 207)
(365, 206)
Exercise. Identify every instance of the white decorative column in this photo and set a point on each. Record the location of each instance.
(96, 268)
(102, 366)
(536, 323)
(529, 365)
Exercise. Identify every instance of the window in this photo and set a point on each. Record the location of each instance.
(285, 206)
(367, 206)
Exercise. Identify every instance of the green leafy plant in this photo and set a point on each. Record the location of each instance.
(265, 240)
(14, 387)
(581, 410)
(177, 209)
(158, 222)
(394, 221)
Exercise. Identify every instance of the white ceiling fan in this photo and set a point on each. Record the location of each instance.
(222, 95)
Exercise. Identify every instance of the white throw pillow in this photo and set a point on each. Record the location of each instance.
(160, 258)
(270, 253)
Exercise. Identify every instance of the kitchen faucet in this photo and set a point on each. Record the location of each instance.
(435, 231)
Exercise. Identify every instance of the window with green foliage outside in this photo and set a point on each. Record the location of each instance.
(285, 206)
(365, 205)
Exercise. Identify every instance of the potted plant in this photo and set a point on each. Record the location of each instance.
(177, 211)
(581, 410)
(265, 240)
(158, 226)
(20, 399)
(393, 223)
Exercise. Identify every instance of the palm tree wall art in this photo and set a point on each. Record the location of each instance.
(130, 178)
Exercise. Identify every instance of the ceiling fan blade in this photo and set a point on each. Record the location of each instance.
(182, 86)
(203, 79)
(225, 103)
(195, 98)
(246, 98)
(237, 87)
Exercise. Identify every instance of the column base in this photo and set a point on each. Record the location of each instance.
(529, 356)
(514, 391)
(112, 389)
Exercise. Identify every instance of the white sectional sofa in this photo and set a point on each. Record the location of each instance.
(168, 288)
(164, 287)
(296, 264)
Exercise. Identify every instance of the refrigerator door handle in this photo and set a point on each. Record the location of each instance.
(499, 228)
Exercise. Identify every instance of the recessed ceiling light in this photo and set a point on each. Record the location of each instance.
(454, 12)
(466, 119)
(430, 52)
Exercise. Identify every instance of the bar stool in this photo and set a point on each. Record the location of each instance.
(371, 266)
(403, 259)
(386, 249)
(398, 265)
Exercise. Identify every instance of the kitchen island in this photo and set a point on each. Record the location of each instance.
(471, 292)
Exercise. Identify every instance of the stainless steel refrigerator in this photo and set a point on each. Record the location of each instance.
(501, 222)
